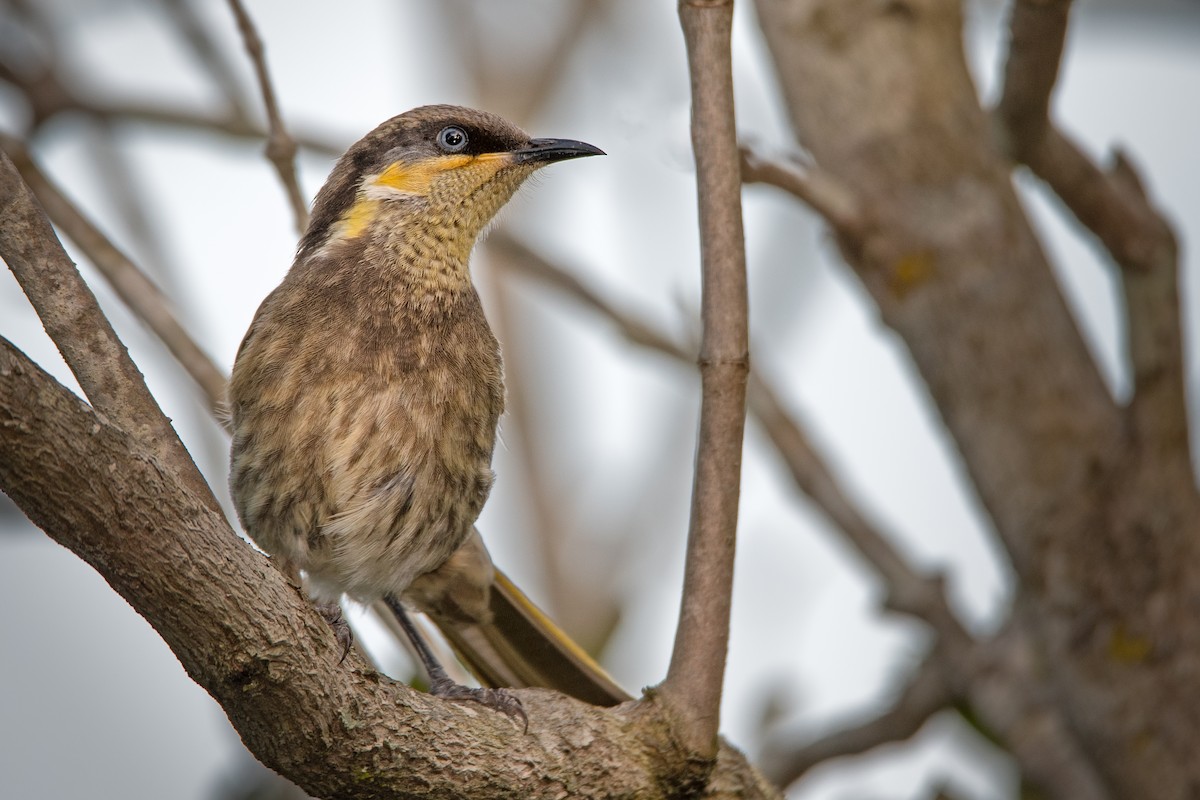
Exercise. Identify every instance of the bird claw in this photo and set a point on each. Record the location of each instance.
(332, 614)
(501, 700)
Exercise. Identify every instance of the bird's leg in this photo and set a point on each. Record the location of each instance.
(332, 613)
(441, 685)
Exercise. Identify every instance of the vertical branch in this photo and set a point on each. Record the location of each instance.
(693, 682)
(1038, 31)
(281, 147)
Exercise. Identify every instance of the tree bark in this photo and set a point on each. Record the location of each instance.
(1101, 523)
(255, 644)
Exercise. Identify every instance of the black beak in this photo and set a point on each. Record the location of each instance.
(544, 151)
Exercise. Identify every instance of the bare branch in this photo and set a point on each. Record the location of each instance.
(1038, 30)
(48, 96)
(519, 89)
(281, 148)
(926, 694)
(517, 255)
(225, 124)
(204, 47)
(131, 284)
(548, 529)
(696, 673)
(548, 74)
(908, 591)
(1114, 206)
(83, 335)
(1000, 678)
(251, 640)
(818, 191)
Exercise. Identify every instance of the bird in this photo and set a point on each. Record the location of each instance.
(365, 397)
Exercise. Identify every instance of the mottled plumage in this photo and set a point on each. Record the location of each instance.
(366, 393)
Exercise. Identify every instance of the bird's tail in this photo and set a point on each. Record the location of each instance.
(521, 647)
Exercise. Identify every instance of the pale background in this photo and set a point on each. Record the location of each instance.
(85, 681)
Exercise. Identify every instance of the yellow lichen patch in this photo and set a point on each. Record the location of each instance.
(1128, 648)
(910, 272)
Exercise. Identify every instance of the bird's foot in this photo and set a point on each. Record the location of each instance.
(332, 613)
(501, 700)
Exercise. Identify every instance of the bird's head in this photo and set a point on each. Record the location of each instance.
(445, 170)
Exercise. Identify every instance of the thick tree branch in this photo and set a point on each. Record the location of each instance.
(281, 148)
(135, 289)
(253, 642)
(882, 99)
(694, 679)
(83, 335)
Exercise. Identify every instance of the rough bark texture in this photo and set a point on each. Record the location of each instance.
(1100, 518)
(249, 639)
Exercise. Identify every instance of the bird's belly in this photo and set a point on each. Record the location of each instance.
(391, 482)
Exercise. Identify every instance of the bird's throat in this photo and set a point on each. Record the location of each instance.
(416, 259)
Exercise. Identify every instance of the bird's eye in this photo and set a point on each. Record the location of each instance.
(452, 139)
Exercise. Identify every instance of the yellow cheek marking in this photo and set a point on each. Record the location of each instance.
(417, 178)
(358, 218)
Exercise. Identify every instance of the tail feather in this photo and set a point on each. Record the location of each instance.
(521, 647)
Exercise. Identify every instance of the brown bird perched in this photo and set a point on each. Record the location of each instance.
(366, 393)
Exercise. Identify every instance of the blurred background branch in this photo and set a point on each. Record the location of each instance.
(590, 501)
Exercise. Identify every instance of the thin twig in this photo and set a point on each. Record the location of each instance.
(695, 676)
(224, 124)
(208, 52)
(926, 694)
(131, 284)
(1112, 205)
(815, 189)
(281, 148)
(548, 529)
(48, 96)
(548, 75)
(519, 98)
(909, 592)
(82, 333)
